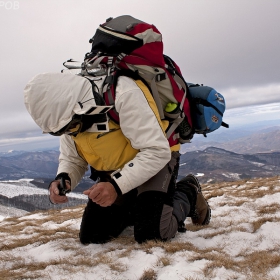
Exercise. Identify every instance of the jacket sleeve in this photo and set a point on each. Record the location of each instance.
(70, 162)
(141, 127)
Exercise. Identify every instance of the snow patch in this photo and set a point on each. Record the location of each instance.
(257, 163)
(13, 190)
(234, 176)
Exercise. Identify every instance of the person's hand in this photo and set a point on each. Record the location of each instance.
(55, 198)
(102, 193)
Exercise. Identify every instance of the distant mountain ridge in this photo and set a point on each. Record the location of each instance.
(219, 165)
(239, 140)
(248, 154)
(11, 153)
(28, 165)
(216, 164)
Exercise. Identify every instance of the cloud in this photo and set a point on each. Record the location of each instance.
(30, 143)
(17, 123)
(252, 114)
(232, 46)
(244, 96)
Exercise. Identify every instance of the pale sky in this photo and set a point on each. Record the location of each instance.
(231, 45)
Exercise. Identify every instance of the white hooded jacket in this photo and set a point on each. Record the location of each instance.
(53, 98)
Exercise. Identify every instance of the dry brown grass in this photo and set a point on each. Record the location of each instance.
(268, 209)
(214, 193)
(164, 261)
(21, 267)
(149, 274)
(23, 270)
(253, 262)
(261, 221)
(42, 236)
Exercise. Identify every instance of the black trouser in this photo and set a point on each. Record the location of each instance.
(149, 208)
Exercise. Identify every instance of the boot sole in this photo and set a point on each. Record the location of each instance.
(208, 217)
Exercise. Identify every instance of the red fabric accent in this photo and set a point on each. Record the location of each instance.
(135, 60)
(112, 114)
(105, 95)
(150, 54)
(177, 68)
(171, 141)
(122, 65)
(187, 111)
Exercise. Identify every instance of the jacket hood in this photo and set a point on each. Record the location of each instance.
(52, 99)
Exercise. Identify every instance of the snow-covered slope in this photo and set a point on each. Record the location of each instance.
(24, 187)
(241, 242)
(22, 194)
(6, 212)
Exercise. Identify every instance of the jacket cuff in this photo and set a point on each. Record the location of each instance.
(63, 175)
(122, 181)
(116, 186)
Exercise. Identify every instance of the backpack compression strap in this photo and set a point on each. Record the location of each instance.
(208, 104)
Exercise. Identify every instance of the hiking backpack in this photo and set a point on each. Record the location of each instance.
(208, 107)
(130, 47)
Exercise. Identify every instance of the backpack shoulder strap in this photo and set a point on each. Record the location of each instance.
(110, 94)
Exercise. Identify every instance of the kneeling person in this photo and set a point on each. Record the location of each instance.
(135, 167)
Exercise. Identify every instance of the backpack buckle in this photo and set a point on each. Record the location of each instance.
(160, 77)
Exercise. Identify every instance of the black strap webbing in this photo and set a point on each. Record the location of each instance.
(225, 125)
(207, 104)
